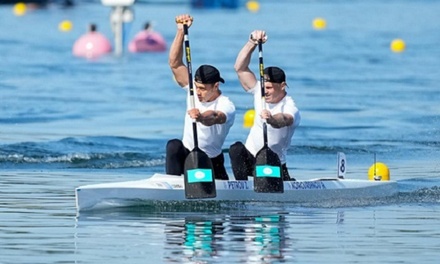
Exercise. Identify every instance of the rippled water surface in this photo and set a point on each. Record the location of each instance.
(66, 122)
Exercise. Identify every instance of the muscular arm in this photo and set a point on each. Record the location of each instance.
(175, 58)
(245, 75)
(280, 120)
(212, 117)
(208, 118)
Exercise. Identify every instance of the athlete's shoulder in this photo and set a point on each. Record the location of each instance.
(223, 99)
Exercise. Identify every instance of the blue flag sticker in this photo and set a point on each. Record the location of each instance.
(199, 175)
(268, 171)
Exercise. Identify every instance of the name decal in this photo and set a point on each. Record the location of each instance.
(236, 185)
(310, 185)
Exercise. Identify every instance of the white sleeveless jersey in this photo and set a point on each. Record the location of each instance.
(210, 138)
(278, 139)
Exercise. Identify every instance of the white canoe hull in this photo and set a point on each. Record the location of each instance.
(168, 188)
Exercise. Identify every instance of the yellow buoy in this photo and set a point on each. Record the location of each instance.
(397, 45)
(253, 6)
(248, 119)
(379, 172)
(319, 23)
(19, 9)
(65, 25)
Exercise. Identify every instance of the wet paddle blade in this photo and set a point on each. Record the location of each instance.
(199, 176)
(268, 176)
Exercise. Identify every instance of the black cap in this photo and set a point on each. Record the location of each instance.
(208, 74)
(274, 74)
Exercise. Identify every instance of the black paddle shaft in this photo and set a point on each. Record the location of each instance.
(263, 90)
(190, 81)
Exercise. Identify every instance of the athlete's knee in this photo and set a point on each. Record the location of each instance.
(236, 149)
(174, 146)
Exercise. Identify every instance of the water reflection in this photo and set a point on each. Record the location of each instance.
(263, 235)
(191, 239)
(268, 238)
(203, 239)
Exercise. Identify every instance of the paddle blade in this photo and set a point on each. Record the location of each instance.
(268, 178)
(199, 176)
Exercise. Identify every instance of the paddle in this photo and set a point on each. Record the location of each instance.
(267, 166)
(199, 176)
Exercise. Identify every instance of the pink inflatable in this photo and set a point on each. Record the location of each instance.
(147, 41)
(92, 44)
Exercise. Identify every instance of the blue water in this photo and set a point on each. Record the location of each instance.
(66, 122)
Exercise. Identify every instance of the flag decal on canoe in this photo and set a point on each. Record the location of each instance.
(268, 171)
(199, 175)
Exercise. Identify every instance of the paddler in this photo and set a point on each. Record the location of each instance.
(281, 114)
(213, 112)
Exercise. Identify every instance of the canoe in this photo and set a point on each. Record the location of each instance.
(170, 189)
(162, 188)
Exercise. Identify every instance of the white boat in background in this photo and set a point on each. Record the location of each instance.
(162, 188)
